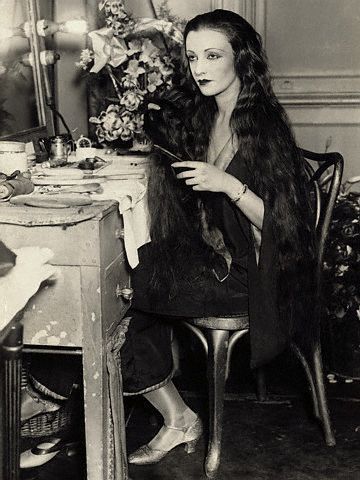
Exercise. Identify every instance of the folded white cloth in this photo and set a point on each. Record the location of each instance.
(132, 198)
(23, 280)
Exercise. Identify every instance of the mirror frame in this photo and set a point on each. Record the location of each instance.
(45, 119)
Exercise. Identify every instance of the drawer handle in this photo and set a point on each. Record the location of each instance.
(119, 233)
(126, 293)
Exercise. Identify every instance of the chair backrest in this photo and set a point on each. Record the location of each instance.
(325, 172)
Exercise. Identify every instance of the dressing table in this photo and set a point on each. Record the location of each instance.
(80, 311)
(84, 311)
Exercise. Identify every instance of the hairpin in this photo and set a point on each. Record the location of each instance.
(153, 106)
(169, 154)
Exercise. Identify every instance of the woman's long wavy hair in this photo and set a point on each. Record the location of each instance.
(266, 146)
(179, 255)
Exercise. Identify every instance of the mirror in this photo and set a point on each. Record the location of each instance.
(23, 113)
(18, 108)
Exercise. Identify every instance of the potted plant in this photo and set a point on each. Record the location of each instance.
(342, 284)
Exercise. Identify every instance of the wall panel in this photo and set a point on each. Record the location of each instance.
(313, 51)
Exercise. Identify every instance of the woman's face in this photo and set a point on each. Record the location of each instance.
(211, 62)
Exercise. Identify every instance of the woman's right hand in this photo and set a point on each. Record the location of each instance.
(203, 176)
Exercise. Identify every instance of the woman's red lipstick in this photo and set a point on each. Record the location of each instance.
(203, 81)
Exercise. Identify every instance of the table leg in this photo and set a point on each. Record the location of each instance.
(96, 403)
(104, 461)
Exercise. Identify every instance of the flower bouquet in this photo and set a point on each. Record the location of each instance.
(342, 283)
(131, 60)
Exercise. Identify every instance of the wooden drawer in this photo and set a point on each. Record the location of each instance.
(114, 305)
(111, 237)
(94, 242)
(72, 245)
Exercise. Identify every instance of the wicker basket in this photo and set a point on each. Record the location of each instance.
(51, 423)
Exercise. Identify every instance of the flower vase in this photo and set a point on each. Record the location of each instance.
(141, 144)
(119, 145)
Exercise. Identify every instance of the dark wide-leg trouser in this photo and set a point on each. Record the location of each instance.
(146, 356)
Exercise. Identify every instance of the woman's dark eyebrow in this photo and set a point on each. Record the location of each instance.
(214, 48)
(207, 49)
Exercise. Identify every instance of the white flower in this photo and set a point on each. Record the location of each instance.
(133, 47)
(86, 57)
(127, 126)
(112, 6)
(134, 69)
(117, 7)
(164, 65)
(149, 52)
(103, 114)
(154, 81)
(113, 124)
(129, 81)
(150, 24)
(131, 100)
(100, 133)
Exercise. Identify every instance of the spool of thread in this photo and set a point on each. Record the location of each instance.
(12, 157)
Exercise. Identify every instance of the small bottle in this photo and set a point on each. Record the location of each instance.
(59, 151)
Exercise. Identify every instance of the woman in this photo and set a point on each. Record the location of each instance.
(230, 232)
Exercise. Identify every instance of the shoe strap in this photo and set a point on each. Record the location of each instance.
(181, 429)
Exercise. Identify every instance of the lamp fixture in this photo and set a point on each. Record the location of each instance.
(46, 27)
(47, 57)
(27, 59)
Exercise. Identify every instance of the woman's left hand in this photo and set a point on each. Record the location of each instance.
(204, 176)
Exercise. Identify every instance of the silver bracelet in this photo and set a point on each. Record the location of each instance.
(240, 194)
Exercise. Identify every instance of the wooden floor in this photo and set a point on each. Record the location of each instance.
(275, 440)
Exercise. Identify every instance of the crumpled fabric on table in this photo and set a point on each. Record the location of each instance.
(22, 281)
(132, 198)
(13, 185)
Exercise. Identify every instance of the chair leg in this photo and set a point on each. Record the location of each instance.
(309, 377)
(261, 392)
(321, 395)
(217, 357)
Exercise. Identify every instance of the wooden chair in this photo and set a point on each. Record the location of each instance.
(219, 334)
